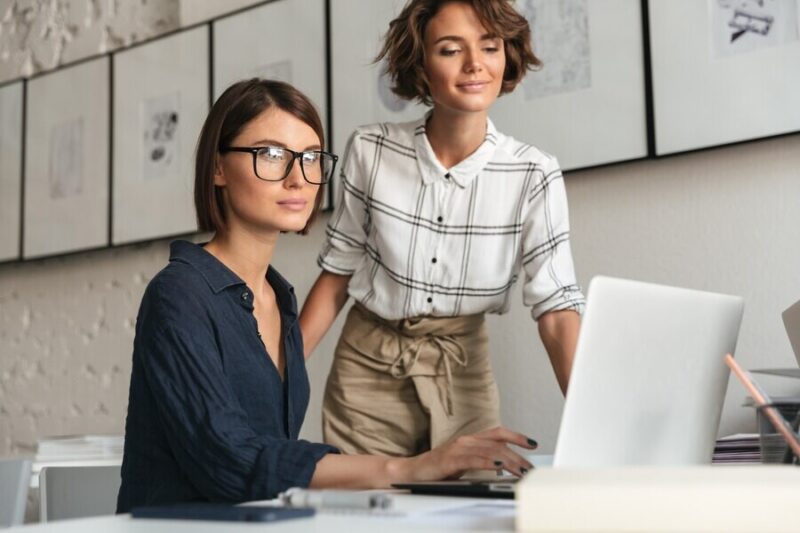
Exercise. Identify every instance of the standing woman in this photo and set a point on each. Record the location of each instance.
(435, 220)
(219, 387)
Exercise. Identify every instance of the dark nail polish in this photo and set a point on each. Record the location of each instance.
(523, 470)
(533, 443)
(498, 464)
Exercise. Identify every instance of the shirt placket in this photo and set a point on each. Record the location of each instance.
(435, 265)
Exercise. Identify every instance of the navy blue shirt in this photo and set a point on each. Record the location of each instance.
(209, 418)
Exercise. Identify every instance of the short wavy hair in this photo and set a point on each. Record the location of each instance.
(404, 44)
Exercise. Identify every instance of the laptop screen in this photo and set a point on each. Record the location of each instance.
(791, 320)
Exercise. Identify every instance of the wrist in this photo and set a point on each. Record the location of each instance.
(399, 470)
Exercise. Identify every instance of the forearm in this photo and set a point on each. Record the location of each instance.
(559, 333)
(360, 471)
(326, 299)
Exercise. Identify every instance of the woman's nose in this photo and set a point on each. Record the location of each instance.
(295, 177)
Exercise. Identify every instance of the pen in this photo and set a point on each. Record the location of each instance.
(336, 499)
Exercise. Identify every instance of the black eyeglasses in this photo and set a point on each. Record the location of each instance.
(273, 163)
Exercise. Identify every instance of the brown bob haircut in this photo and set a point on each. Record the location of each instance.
(404, 44)
(238, 105)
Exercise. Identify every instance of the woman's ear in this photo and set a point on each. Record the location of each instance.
(219, 175)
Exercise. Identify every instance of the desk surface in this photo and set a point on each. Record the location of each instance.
(417, 513)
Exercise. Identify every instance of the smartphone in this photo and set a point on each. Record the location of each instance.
(222, 512)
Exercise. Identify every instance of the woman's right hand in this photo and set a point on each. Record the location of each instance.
(487, 450)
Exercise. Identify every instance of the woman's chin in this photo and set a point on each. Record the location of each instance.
(293, 226)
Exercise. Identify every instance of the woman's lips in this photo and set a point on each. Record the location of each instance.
(293, 205)
(473, 86)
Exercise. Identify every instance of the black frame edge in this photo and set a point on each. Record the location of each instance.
(23, 169)
(648, 81)
(329, 92)
(111, 88)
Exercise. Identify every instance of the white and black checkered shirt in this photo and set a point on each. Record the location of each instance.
(419, 239)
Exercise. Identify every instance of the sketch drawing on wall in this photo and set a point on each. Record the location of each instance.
(741, 26)
(160, 117)
(560, 33)
(66, 159)
(279, 70)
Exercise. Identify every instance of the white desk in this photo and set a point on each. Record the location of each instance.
(423, 514)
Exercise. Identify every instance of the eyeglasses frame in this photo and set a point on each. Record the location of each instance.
(295, 155)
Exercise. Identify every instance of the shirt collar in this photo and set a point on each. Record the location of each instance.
(464, 172)
(219, 277)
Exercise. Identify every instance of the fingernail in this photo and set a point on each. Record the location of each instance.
(532, 442)
(523, 470)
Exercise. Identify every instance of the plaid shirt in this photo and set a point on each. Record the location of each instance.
(419, 239)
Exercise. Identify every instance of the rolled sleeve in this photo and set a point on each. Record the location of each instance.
(550, 282)
(207, 429)
(344, 247)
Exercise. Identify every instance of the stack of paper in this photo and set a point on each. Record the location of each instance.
(742, 448)
(79, 448)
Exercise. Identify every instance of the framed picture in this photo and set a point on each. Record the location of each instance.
(11, 101)
(586, 105)
(281, 40)
(724, 71)
(156, 126)
(67, 160)
(361, 92)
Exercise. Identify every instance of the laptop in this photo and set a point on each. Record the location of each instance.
(647, 383)
(791, 321)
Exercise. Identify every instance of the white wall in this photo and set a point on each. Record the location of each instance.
(194, 11)
(38, 35)
(724, 220)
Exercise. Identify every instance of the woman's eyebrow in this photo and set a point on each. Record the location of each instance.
(484, 37)
(449, 38)
(270, 142)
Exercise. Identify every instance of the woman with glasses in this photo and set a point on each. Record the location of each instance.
(435, 220)
(219, 387)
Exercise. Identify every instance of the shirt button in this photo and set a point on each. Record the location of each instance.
(430, 300)
(433, 260)
(245, 296)
(447, 176)
(439, 219)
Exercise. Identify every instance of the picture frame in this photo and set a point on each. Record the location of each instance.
(11, 124)
(587, 104)
(569, 120)
(283, 40)
(361, 93)
(713, 77)
(156, 126)
(67, 160)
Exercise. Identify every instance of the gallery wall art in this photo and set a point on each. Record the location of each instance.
(67, 160)
(724, 71)
(156, 126)
(100, 152)
(11, 105)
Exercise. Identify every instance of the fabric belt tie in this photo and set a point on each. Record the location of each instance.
(450, 352)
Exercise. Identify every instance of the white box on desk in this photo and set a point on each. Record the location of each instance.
(697, 498)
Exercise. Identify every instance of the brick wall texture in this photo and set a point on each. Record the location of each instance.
(67, 324)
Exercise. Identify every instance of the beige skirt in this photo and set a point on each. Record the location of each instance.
(401, 387)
